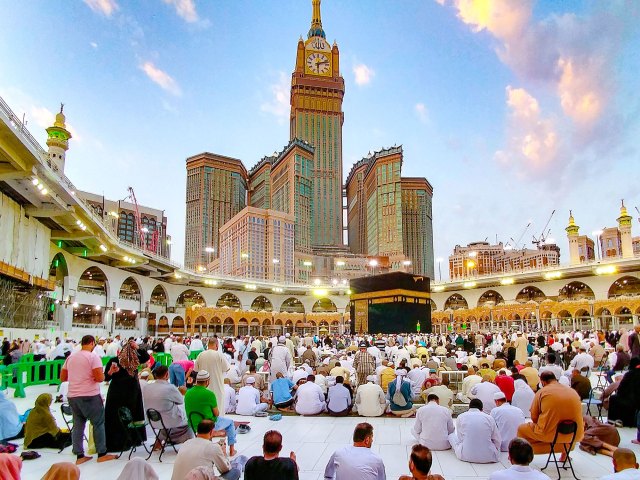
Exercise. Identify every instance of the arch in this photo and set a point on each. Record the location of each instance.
(292, 305)
(530, 293)
(433, 305)
(159, 296)
(261, 304)
(58, 268)
(200, 324)
(455, 301)
(229, 300)
(163, 324)
(623, 311)
(489, 298)
(228, 327)
(324, 305)
(177, 324)
(189, 298)
(627, 286)
(93, 280)
(130, 289)
(576, 291)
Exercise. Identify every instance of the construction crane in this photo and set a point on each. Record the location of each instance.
(543, 236)
(638, 212)
(515, 244)
(141, 232)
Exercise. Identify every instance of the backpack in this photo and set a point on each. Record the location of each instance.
(398, 398)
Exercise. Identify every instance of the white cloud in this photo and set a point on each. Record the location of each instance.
(161, 78)
(279, 103)
(93, 44)
(422, 112)
(186, 9)
(363, 73)
(105, 7)
(533, 143)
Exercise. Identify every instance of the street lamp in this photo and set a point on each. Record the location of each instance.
(406, 264)
(373, 263)
(599, 252)
(439, 260)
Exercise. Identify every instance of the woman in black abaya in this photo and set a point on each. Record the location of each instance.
(124, 391)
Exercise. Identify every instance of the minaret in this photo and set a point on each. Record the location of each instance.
(624, 226)
(58, 141)
(316, 21)
(572, 234)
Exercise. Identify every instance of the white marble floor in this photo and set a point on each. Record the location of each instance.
(315, 438)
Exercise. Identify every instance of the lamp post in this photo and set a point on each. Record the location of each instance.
(598, 252)
(406, 264)
(209, 251)
(373, 263)
(439, 260)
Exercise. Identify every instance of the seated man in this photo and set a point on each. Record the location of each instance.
(169, 402)
(271, 466)
(552, 404)
(477, 439)
(370, 400)
(339, 399)
(202, 452)
(580, 384)
(201, 403)
(433, 425)
(281, 389)
(249, 400)
(625, 465)
(485, 392)
(259, 379)
(230, 397)
(443, 392)
(531, 374)
(399, 394)
(469, 381)
(309, 398)
(356, 461)
(520, 456)
(420, 465)
(508, 418)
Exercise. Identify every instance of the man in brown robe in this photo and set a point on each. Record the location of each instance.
(552, 404)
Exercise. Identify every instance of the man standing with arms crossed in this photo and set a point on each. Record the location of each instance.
(83, 371)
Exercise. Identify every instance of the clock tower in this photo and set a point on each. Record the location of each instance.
(317, 90)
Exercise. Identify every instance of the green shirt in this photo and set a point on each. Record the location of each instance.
(201, 400)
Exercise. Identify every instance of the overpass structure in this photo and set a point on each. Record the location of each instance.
(64, 269)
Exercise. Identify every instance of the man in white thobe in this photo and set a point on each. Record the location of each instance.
(521, 348)
(508, 418)
(485, 391)
(477, 438)
(309, 398)
(370, 399)
(280, 360)
(433, 425)
(581, 360)
(230, 397)
(444, 394)
(179, 351)
(249, 401)
(417, 375)
(470, 381)
(196, 344)
(214, 362)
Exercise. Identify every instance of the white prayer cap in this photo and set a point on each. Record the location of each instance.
(401, 372)
(250, 380)
(371, 378)
(499, 396)
(281, 339)
(287, 335)
(202, 376)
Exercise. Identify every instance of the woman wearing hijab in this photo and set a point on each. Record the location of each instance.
(400, 395)
(624, 404)
(138, 469)
(124, 391)
(522, 397)
(41, 430)
(62, 471)
(10, 466)
(11, 425)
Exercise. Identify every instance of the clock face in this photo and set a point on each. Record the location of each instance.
(318, 63)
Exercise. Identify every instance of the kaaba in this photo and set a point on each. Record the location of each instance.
(395, 302)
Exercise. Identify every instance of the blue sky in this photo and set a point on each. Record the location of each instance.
(511, 109)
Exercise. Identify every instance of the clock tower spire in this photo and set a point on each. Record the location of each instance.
(317, 90)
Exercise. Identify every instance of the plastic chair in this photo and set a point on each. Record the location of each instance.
(565, 427)
(131, 430)
(162, 434)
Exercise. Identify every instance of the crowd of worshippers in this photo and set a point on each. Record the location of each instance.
(515, 385)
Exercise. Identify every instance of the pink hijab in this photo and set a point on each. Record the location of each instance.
(10, 466)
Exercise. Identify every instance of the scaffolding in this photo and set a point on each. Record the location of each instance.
(23, 306)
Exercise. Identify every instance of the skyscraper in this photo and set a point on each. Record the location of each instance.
(317, 90)
(216, 191)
